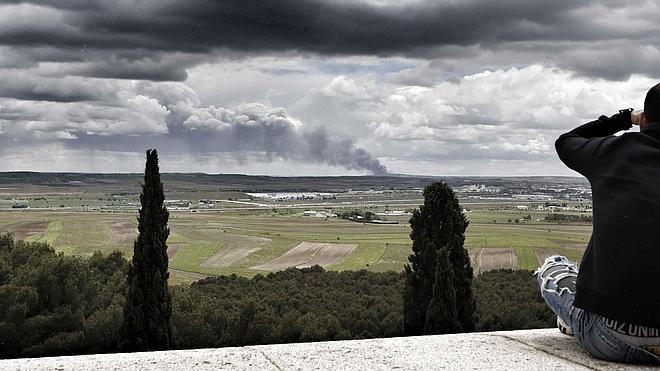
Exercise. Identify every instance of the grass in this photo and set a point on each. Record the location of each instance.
(82, 236)
(526, 258)
(533, 235)
(503, 216)
(394, 258)
(272, 251)
(192, 255)
(176, 238)
(50, 235)
(572, 254)
(379, 247)
(362, 257)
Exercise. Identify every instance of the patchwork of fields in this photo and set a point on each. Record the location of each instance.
(203, 244)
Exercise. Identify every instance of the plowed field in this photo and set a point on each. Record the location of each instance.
(23, 230)
(486, 259)
(121, 232)
(235, 248)
(308, 254)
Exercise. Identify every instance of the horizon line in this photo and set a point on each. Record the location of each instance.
(295, 176)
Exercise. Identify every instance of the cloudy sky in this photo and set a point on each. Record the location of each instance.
(315, 87)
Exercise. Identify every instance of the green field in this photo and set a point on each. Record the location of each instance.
(255, 238)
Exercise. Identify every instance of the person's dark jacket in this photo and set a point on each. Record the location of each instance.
(619, 276)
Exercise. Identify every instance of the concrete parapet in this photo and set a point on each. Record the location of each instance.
(545, 349)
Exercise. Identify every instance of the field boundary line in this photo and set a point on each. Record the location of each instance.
(387, 246)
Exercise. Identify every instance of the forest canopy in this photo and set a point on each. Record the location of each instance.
(55, 304)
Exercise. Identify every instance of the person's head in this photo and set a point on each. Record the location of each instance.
(652, 106)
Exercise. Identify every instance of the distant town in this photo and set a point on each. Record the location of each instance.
(315, 197)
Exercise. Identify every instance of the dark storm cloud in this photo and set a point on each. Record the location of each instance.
(25, 86)
(615, 61)
(154, 68)
(65, 67)
(305, 25)
(36, 94)
(98, 32)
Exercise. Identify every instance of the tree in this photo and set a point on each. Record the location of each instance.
(441, 315)
(439, 224)
(55, 304)
(148, 307)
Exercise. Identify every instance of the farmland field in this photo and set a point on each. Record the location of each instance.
(308, 254)
(233, 224)
(485, 259)
(203, 244)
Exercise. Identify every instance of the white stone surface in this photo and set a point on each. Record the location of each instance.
(507, 350)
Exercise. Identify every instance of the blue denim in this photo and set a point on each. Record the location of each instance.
(556, 278)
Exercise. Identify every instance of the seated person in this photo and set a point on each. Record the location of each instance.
(612, 302)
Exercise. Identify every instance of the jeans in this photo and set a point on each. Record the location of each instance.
(556, 278)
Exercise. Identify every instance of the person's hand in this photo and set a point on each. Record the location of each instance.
(636, 117)
(623, 118)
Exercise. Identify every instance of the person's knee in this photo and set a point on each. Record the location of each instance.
(557, 282)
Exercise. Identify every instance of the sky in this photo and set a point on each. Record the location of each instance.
(315, 87)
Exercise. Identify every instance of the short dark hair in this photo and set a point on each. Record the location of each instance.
(652, 104)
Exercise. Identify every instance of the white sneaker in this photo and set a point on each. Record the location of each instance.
(563, 327)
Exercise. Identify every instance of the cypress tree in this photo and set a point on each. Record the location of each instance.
(462, 277)
(441, 315)
(148, 307)
(439, 224)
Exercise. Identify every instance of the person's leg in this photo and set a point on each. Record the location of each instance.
(602, 342)
(556, 279)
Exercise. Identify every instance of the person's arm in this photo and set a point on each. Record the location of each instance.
(580, 148)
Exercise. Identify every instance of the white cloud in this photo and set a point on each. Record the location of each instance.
(517, 110)
(252, 115)
(503, 120)
(183, 104)
(343, 87)
(131, 115)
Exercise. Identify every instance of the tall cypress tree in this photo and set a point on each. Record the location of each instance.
(439, 224)
(146, 324)
(441, 315)
(462, 274)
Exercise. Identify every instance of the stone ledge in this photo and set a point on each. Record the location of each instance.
(506, 350)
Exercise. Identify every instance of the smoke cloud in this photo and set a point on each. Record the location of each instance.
(253, 127)
(166, 115)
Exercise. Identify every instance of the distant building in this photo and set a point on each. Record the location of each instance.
(177, 204)
(376, 221)
(319, 214)
(535, 197)
(394, 213)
